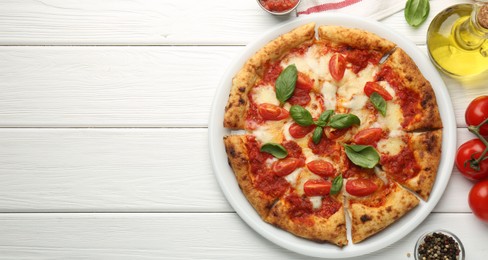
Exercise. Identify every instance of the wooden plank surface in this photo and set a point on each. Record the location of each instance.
(125, 86)
(184, 236)
(152, 22)
(124, 170)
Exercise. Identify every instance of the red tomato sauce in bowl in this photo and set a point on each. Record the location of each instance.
(278, 6)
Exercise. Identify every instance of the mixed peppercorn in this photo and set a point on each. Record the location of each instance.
(438, 246)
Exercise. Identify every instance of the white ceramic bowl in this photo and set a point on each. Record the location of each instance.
(390, 235)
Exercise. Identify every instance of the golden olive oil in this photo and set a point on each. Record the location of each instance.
(457, 44)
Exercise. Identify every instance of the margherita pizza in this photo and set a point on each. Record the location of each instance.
(342, 123)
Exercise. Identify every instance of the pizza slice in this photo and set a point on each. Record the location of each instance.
(253, 172)
(412, 160)
(414, 94)
(373, 201)
(254, 70)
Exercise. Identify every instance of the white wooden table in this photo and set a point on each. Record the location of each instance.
(103, 132)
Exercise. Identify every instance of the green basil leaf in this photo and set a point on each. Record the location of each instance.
(301, 115)
(285, 83)
(336, 185)
(416, 11)
(362, 155)
(317, 135)
(324, 118)
(341, 121)
(378, 102)
(274, 149)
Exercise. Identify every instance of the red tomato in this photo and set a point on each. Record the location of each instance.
(474, 148)
(298, 131)
(337, 66)
(319, 187)
(300, 97)
(272, 112)
(478, 200)
(477, 112)
(285, 166)
(372, 87)
(304, 82)
(322, 168)
(360, 187)
(368, 136)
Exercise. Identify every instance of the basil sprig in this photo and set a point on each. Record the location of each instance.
(301, 115)
(362, 155)
(286, 82)
(274, 149)
(416, 11)
(324, 118)
(317, 134)
(341, 121)
(336, 185)
(378, 102)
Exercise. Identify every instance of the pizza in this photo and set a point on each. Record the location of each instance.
(328, 124)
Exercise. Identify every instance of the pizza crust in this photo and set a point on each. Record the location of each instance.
(332, 229)
(235, 146)
(354, 38)
(367, 221)
(411, 78)
(235, 110)
(426, 148)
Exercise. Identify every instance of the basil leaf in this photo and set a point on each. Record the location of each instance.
(378, 102)
(285, 83)
(317, 134)
(416, 11)
(274, 149)
(336, 185)
(301, 115)
(341, 121)
(324, 118)
(362, 155)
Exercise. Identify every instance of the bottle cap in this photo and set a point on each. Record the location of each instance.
(483, 16)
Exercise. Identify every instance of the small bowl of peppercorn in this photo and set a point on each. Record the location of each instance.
(279, 7)
(439, 244)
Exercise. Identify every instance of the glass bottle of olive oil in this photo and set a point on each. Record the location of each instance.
(457, 40)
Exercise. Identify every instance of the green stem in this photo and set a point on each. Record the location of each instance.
(476, 131)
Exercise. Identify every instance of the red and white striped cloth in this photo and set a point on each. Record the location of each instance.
(375, 9)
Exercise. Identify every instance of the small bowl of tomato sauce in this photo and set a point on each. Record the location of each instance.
(279, 7)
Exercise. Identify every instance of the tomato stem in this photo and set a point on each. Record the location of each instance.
(476, 131)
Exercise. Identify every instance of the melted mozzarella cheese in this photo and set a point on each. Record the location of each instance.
(286, 131)
(329, 92)
(269, 132)
(390, 146)
(357, 102)
(293, 177)
(312, 62)
(316, 201)
(351, 81)
(265, 94)
(394, 117)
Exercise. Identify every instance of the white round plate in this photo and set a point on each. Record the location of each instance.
(391, 234)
